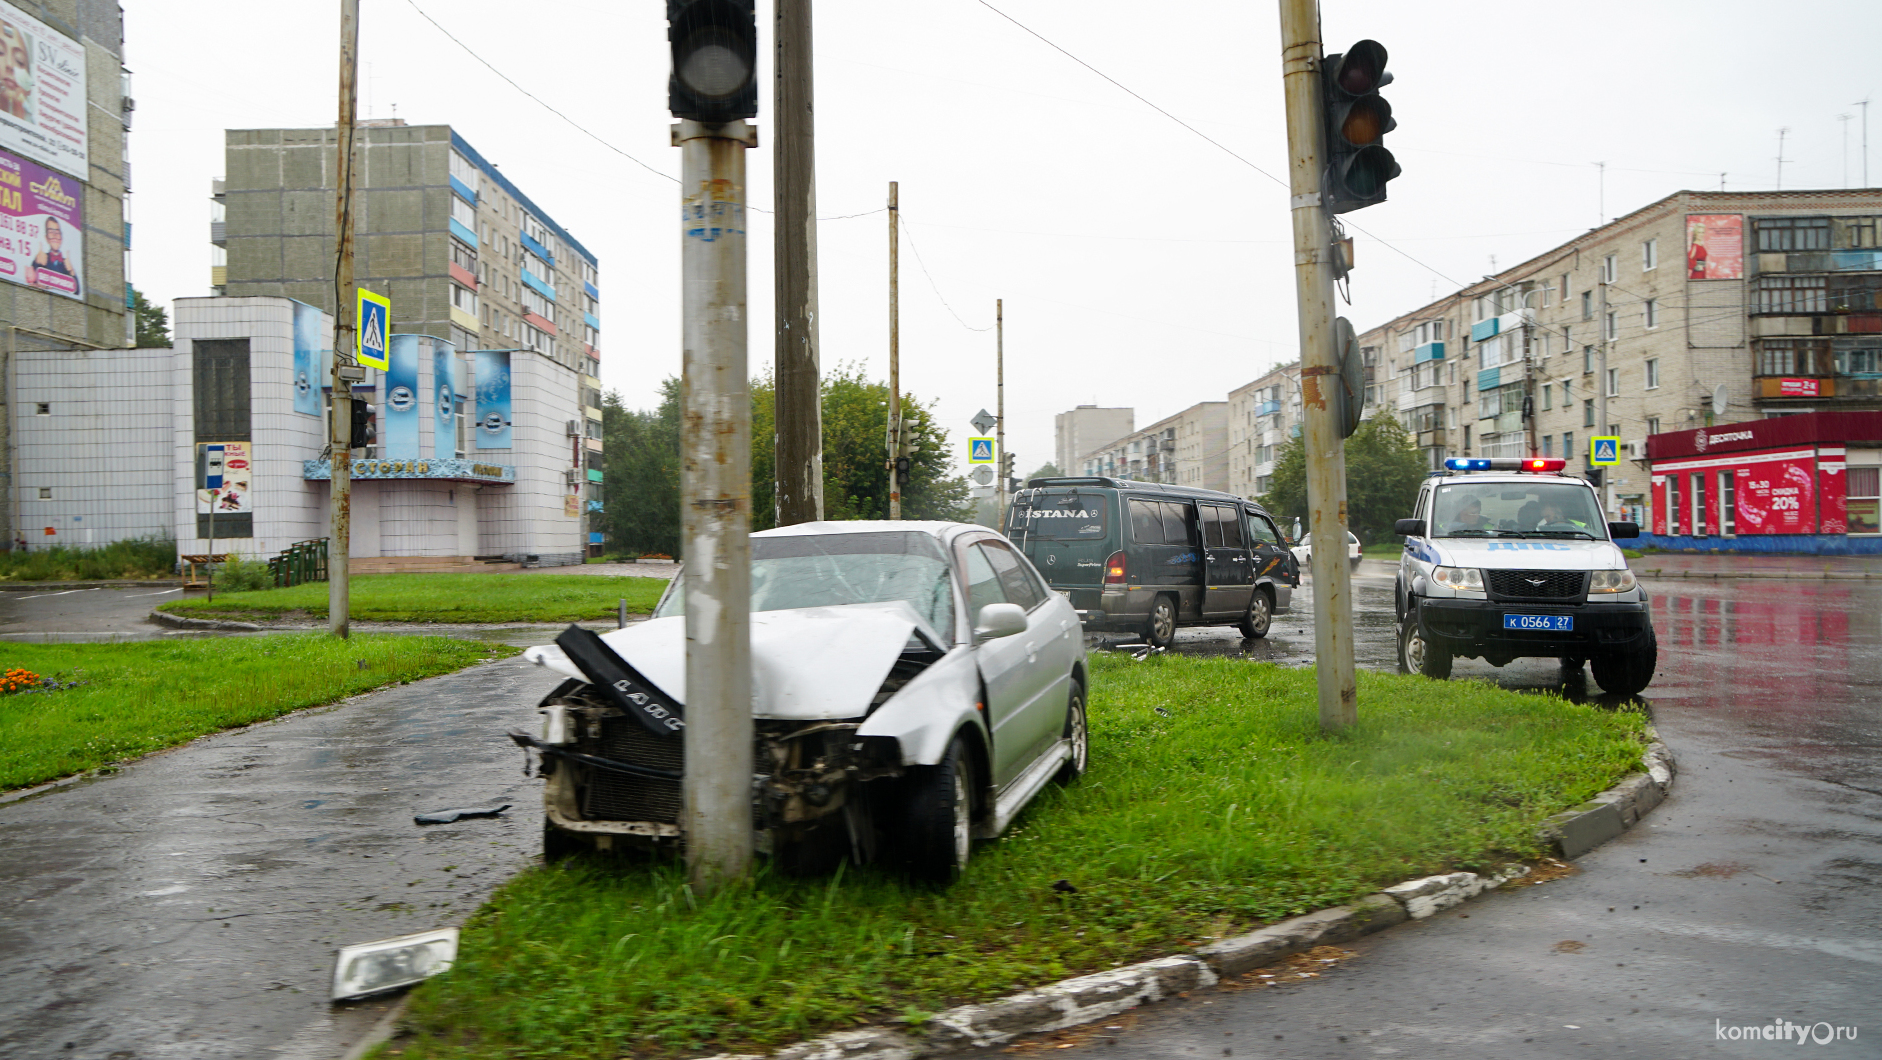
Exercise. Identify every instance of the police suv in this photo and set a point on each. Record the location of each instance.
(1508, 558)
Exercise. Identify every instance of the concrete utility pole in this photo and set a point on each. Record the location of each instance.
(895, 362)
(799, 412)
(715, 494)
(340, 486)
(1319, 367)
(999, 409)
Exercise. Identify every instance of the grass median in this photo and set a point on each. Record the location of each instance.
(442, 598)
(131, 699)
(1229, 811)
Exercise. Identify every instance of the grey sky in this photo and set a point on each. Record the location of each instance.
(1140, 265)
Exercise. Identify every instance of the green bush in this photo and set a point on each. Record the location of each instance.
(238, 575)
(136, 557)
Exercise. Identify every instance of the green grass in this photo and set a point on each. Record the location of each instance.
(142, 557)
(1231, 812)
(445, 598)
(1382, 550)
(141, 697)
(1632, 553)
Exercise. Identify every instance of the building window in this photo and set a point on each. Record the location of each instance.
(1672, 504)
(1865, 500)
(1613, 326)
(1653, 373)
(1792, 294)
(1793, 233)
(1568, 399)
(1568, 444)
(1653, 425)
(1856, 362)
(1565, 288)
(1587, 412)
(1792, 357)
(1728, 504)
(1542, 346)
(464, 298)
(1608, 269)
(1649, 255)
(1587, 305)
(45, 493)
(1548, 445)
(463, 257)
(462, 169)
(1862, 233)
(219, 382)
(1651, 313)
(1547, 391)
(1614, 382)
(44, 408)
(1587, 359)
(463, 213)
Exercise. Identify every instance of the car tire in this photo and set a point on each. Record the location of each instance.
(937, 827)
(1260, 617)
(1627, 675)
(558, 845)
(1078, 734)
(1160, 626)
(1418, 655)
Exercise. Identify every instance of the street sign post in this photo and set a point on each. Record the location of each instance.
(980, 450)
(983, 475)
(983, 421)
(1604, 451)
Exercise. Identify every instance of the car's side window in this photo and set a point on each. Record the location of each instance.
(1210, 517)
(1231, 527)
(1423, 496)
(983, 583)
(1264, 530)
(1019, 585)
(1146, 522)
(1178, 524)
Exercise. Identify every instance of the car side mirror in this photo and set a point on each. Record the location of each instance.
(999, 620)
(1623, 529)
(1413, 528)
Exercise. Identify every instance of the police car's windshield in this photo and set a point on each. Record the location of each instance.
(1516, 509)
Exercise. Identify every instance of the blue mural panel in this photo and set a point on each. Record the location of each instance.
(398, 426)
(307, 360)
(493, 399)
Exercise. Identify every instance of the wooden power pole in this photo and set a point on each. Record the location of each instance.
(340, 486)
(895, 360)
(798, 413)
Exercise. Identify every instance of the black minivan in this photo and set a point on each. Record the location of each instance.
(1142, 557)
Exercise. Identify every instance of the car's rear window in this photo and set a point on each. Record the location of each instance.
(1069, 516)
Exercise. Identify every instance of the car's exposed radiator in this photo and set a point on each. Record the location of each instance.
(616, 796)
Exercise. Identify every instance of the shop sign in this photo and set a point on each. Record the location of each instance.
(1798, 388)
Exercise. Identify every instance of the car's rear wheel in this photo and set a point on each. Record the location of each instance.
(1260, 616)
(1078, 735)
(938, 827)
(1418, 655)
(1627, 675)
(1160, 628)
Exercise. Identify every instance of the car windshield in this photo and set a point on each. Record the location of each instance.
(1543, 508)
(821, 570)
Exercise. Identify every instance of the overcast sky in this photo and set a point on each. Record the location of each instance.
(1141, 266)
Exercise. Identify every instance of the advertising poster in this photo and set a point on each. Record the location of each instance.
(1832, 497)
(1658, 522)
(42, 228)
(1777, 496)
(42, 92)
(398, 439)
(493, 399)
(1715, 246)
(308, 379)
(226, 474)
(447, 383)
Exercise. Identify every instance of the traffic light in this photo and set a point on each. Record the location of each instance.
(715, 60)
(364, 430)
(901, 471)
(1357, 119)
(1350, 393)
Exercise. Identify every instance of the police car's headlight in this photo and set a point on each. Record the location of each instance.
(1611, 581)
(1459, 578)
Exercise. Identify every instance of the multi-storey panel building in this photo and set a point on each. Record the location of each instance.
(1084, 429)
(1262, 417)
(1188, 449)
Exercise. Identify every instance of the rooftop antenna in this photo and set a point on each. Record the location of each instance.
(1864, 104)
(1603, 183)
(1781, 133)
(1721, 182)
(1844, 118)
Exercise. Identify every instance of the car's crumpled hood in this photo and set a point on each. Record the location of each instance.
(808, 664)
(1527, 553)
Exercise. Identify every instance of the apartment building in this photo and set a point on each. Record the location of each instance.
(1188, 449)
(1085, 429)
(1262, 417)
(464, 255)
(1703, 308)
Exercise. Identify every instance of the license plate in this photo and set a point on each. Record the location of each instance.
(1551, 623)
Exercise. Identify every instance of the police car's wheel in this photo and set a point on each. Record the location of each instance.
(1418, 655)
(1626, 675)
(1260, 616)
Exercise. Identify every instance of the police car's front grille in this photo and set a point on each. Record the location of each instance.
(1537, 584)
(616, 796)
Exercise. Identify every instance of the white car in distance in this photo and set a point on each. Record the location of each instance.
(1303, 551)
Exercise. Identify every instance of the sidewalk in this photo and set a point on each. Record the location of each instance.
(1747, 565)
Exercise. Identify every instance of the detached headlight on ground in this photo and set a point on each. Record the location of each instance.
(1611, 581)
(374, 967)
(1458, 578)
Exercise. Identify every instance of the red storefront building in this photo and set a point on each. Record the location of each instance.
(1805, 483)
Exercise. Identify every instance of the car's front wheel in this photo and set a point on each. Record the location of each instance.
(938, 827)
(1260, 616)
(1627, 675)
(1418, 655)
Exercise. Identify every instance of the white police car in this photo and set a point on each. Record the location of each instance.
(1507, 558)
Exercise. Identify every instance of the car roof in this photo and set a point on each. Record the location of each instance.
(944, 531)
(1507, 477)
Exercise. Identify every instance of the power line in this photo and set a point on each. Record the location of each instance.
(937, 287)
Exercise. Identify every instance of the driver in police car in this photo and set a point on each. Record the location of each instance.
(1469, 517)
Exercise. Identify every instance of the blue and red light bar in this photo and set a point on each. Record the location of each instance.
(1505, 463)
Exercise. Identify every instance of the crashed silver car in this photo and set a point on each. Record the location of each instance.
(915, 685)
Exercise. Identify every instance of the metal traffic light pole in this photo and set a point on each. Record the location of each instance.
(340, 485)
(1319, 366)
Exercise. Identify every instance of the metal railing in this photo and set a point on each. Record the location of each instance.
(303, 561)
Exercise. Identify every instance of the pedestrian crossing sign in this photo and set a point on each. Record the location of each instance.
(980, 450)
(373, 323)
(1604, 452)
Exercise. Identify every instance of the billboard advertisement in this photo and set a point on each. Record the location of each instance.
(1715, 246)
(42, 92)
(308, 378)
(493, 399)
(42, 228)
(447, 383)
(227, 470)
(398, 438)
(1777, 494)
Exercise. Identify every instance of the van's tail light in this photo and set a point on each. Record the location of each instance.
(1114, 569)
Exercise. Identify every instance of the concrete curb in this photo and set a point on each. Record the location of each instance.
(164, 618)
(1102, 995)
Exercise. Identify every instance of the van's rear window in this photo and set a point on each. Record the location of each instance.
(1063, 517)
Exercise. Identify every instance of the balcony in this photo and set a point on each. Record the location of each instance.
(1862, 389)
(218, 232)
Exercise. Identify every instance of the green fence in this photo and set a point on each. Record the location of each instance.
(303, 561)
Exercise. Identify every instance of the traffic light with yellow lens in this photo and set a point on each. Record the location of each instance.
(1357, 119)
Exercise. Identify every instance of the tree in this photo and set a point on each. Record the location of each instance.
(1046, 470)
(641, 486)
(153, 324)
(1383, 470)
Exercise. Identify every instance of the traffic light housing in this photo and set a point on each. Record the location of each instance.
(1357, 119)
(902, 468)
(364, 430)
(714, 76)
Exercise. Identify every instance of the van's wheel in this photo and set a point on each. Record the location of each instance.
(938, 826)
(1078, 734)
(1418, 655)
(1260, 615)
(1626, 675)
(1160, 629)
(558, 845)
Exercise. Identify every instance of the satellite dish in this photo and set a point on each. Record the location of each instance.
(1718, 400)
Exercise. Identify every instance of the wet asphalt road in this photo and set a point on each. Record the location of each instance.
(83, 614)
(1749, 896)
(189, 905)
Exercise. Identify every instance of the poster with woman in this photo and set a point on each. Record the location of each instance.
(42, 92)
(1715, 246)
(42, 227)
